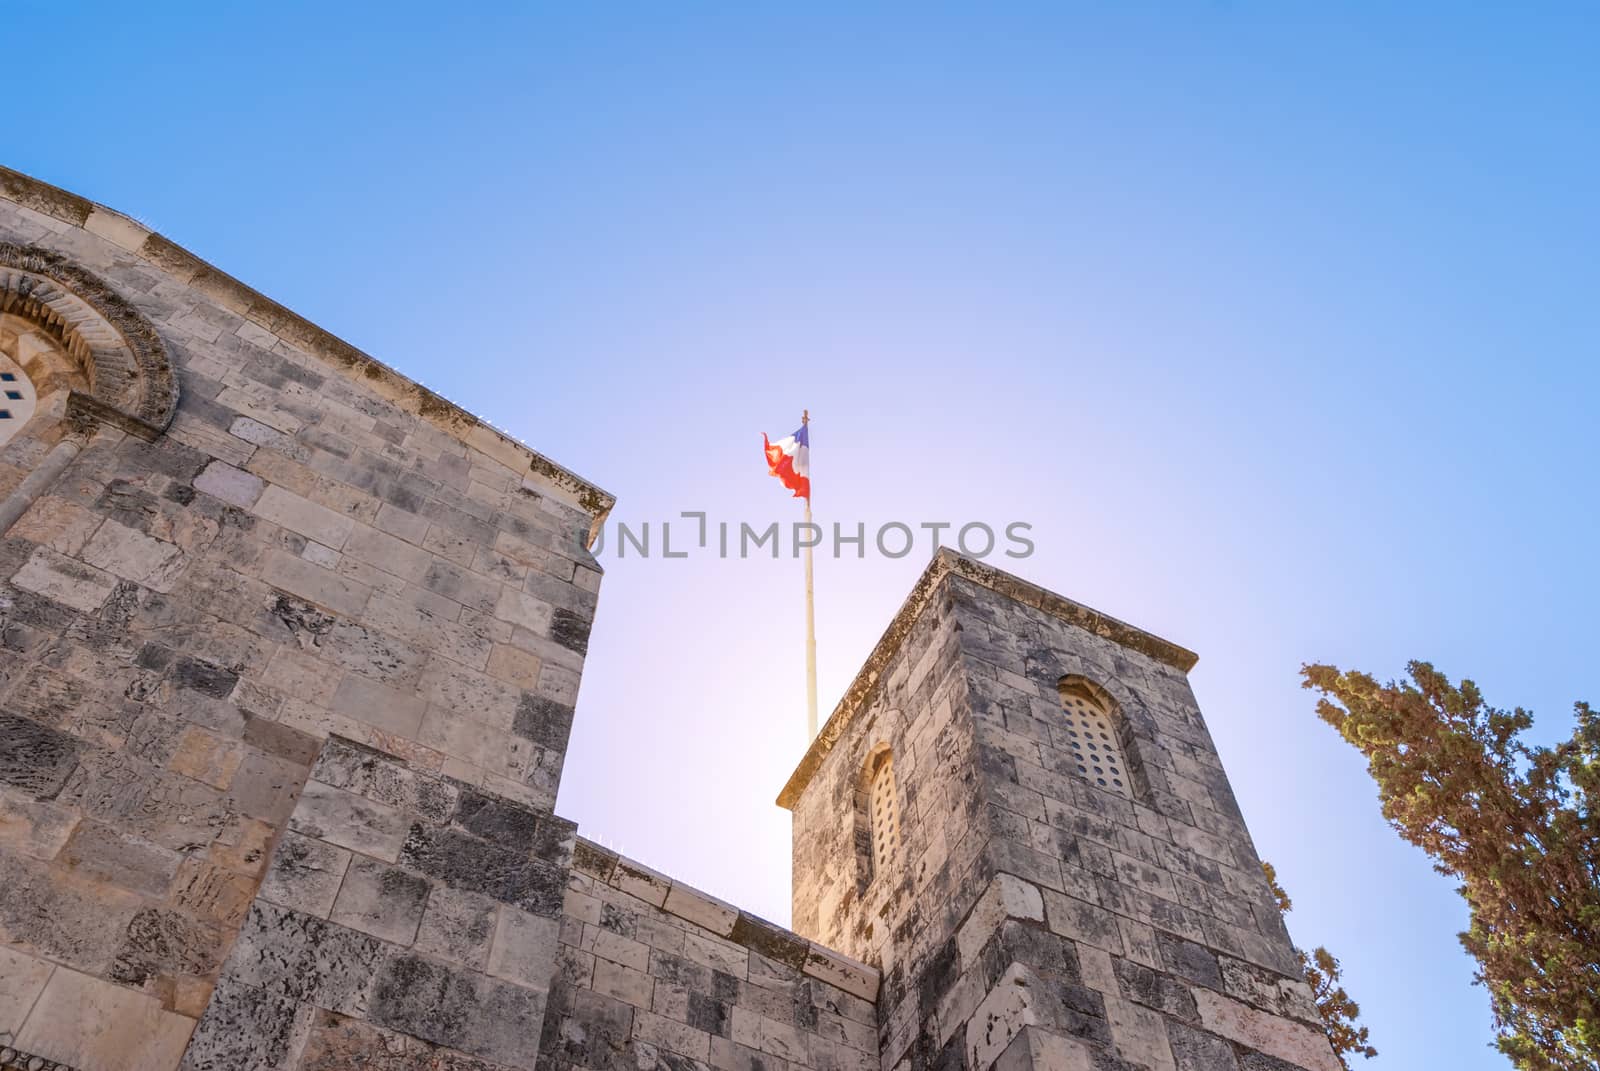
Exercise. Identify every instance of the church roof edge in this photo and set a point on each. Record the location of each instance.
(472, 430)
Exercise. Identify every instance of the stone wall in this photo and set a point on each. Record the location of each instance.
(404, 913)
(312, 546)
(898, 919)
(1034, 918)
(655, 974)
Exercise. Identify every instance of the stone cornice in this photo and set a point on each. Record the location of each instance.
(947, 563)
(228, 292)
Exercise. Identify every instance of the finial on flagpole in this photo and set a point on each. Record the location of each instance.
(805, 416)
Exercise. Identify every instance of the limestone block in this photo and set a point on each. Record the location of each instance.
(520, 608)
(22, 979)
(502, 823)
(338, 1043)
(476, 1014)
(514, 665)
(465, 862)
(1083, 922)
(380, 900)
(458, 926)
(367, 701)
(1018, 999)
(1139, 1034)
(33, 758)
(206, 757)
(1274, 1035)
(640, 881)
(164, 945)
(305, 959)
(1037, 1049)
(265, 786)
(68, 918)
(1193, 1050)
(524, 948)
(378, 777)
(704, 911)
(64, 580)
(61, 525)
(719, 955)
(314, 583)
(350, 821)
(249, 1029)
(1007, 897)
(675, 1037)
(31, 827)
(87, 1022)
(97, 851)
(213, 892)
(390, 553)
(623, 950)
(841, 971)
(132, 555)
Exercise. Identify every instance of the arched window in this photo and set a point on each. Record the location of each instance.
(877, 816)
(885, 814)
(74, 355)
(17, 393)
(1095, 735)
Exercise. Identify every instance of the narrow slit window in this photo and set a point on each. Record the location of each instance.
(883, 814)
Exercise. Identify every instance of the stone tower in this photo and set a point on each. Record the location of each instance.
(1016, 813)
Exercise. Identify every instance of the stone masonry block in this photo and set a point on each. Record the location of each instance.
(381, 900)
(349, 821)
(90, 1023)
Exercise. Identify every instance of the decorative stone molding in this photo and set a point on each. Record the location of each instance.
(16, 1060)
(131, 383)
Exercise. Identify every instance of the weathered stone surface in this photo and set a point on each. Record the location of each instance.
(70, 920)
(457, 926)
(350, 821)
(305, 875)
(161, 943)
(33, 758)
(381, 900)
(305, 959)
(303, 543)
(22, 979)
(249, 1029)
(230, 484)
(464, 862)
(339, 1044)
(1265, 1032)
(86, 1022)
(64, 580)
(375, 776)
(524, 948)
(458, 1009)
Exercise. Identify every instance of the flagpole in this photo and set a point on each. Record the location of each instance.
(811, 623)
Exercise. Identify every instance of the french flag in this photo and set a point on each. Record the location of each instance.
(789, 459)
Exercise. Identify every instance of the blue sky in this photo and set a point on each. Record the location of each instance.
(1276, 321)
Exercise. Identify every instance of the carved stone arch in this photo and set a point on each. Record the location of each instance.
(115, 366)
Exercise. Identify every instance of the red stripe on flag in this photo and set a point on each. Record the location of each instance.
(781, 465)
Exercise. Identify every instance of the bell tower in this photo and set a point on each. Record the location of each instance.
(1018, 814)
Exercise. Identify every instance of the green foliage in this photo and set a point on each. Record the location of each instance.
(1516, 825)
(1339, 1012)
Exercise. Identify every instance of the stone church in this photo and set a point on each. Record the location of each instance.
(289, 653)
